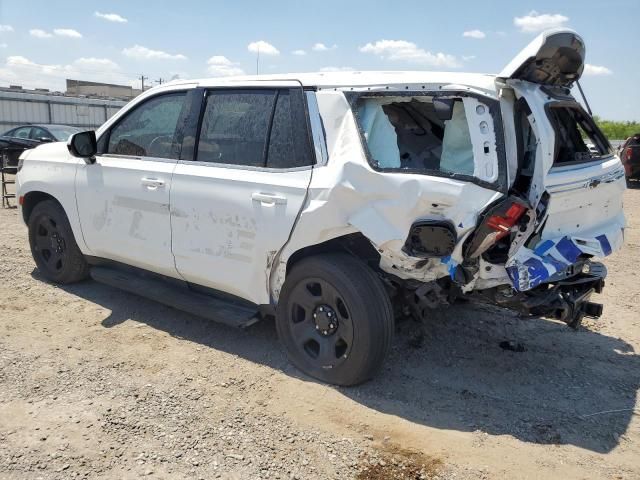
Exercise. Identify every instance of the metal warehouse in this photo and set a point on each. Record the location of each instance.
(22, 107)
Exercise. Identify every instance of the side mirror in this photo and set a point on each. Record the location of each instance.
(45, 139)
(83, 145)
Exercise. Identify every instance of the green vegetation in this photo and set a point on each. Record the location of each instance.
(617, 130)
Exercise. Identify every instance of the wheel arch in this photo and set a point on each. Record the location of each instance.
(355, 244)
(31, 199)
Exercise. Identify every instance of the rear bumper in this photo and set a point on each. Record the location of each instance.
(568, 300)
(555, 259)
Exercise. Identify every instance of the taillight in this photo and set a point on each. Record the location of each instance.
(628, 154)
(503, 225)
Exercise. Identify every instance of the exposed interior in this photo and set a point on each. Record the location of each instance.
(578, 139)
(417, 133)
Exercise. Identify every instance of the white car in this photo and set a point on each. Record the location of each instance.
(333, 200)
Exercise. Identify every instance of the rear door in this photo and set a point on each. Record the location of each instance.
(123, 199)
(577, 193)
(239, 186)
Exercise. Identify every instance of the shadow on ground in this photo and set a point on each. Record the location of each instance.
(457, 376)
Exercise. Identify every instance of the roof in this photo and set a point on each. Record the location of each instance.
(356, 80)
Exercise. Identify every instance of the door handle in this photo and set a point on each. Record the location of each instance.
(268, 198)
(152, 183)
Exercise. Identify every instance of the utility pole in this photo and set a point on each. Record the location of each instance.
(258, 61)
(142, 79)
(159, 81)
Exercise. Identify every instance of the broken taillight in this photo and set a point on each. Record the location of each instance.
(503, 224)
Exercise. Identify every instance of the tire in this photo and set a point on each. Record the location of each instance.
(335, 319)
(53, 245)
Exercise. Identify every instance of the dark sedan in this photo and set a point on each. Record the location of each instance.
(19, 139)
(630, 156)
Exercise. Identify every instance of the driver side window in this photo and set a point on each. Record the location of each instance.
(148, 130)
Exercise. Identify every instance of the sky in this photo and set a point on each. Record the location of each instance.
(44, 42)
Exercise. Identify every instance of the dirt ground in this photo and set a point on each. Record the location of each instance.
(97, 383)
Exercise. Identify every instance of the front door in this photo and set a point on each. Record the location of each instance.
(236, 198)
(123, 199)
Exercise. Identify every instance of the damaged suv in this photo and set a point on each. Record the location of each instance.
(336, 201)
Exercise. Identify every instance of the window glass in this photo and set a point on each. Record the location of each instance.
(149, 130)
(235, 127)
(282, 151)
(22, 132)
(408, 133)
(62, 132)
(38, 133)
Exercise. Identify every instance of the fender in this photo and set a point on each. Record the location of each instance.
(50, 169)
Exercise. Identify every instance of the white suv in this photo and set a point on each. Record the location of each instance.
(335, 201)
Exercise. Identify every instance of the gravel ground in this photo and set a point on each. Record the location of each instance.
(97, 383)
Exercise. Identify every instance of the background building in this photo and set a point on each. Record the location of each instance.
(96, 89)
(21, 107)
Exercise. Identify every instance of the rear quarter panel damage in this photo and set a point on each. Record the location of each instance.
(347, 196)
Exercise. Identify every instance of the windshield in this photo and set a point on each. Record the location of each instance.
(578, 139)
(62, 133)
(414, 133)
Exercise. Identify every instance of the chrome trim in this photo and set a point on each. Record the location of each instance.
(252, 168)
(591, 182)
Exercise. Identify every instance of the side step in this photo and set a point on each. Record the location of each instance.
(180, 298)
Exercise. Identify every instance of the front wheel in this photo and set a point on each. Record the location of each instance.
(53, 245)
(335, 319)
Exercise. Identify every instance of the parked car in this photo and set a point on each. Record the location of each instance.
(19, 139)
(630, 156)
(333, 200)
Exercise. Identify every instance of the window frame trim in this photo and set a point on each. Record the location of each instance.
(573, 104)
(194, 124)
(105, 138)
(499, 185)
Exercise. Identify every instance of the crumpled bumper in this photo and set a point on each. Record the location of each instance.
(529, 268)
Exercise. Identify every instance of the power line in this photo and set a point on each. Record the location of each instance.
(159, 81)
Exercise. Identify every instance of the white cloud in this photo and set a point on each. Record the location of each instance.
(111, 17)
(3, 45)
(321, 47)
(67, 32)
(38, 33)
(477, 34)
(336, 69)
(299, 53)
(221, 66)
(144, 53)
(402, 50)
(596, 70)
(262, 47)
(20, 70)
(537, 22)
(466, 58)
(97, 64)
(6, 28)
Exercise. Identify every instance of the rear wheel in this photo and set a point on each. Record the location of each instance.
(53, 245)
(335, 319)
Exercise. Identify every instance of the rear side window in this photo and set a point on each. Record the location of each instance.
(235, 127)
(149, 129)
(578, 139)
(288, 141)
(257, 128)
